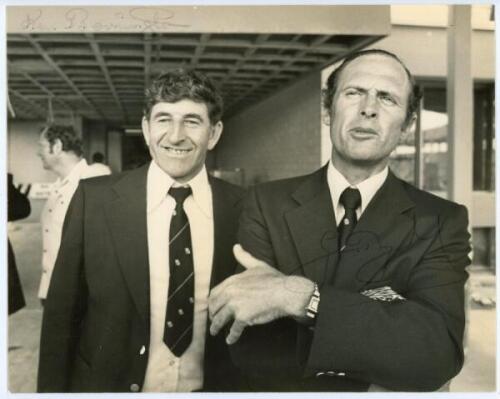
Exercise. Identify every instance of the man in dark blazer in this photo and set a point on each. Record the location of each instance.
(18, 208)
(106, 323)
(354, 278)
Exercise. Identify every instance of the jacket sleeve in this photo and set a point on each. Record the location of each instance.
(410, 345)
(65, 305)
(18, 203)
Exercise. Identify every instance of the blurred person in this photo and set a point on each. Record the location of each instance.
(18, 208)
(60, 149)
(128, 306)
(354, 278)
(98, 165)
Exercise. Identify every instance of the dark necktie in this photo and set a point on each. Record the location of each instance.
(351, 200)
(178, 331)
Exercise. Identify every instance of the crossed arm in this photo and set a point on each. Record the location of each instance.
(414, 344)
(259, 295)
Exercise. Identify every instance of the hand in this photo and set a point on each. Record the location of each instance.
(259, 295)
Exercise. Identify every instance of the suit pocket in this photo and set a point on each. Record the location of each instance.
(377, 284)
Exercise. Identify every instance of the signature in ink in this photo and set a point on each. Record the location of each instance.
(31, 21)
(76, 18)
(155, 18)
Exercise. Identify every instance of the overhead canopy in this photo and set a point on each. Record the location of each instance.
(96, 61)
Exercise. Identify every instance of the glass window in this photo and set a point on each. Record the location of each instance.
(421, 158)
(434, 128)
(483, 245)
(402, 159)
(484, 137)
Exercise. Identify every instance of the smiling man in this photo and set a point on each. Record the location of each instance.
(128, 305)
(354, 278)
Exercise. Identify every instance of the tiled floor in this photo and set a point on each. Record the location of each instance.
(478, 374)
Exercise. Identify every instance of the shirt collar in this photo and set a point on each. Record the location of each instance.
(74, 175)
(337, 183)
(159, 182)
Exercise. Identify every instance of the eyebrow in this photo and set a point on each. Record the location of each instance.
(186, 116)
(193, 115)
(379, 92)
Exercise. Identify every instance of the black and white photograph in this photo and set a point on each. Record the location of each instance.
(250, 198)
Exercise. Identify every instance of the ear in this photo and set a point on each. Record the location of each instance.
(326, 117)
(57, 147)
(408, 127)
(145, 130)
(215, 133)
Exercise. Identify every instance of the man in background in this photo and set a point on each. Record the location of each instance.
(98, 165)
(61, 152)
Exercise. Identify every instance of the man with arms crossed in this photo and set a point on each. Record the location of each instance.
(367, 277)
(127, 308)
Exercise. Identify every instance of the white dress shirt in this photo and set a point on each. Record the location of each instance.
(52, 218)
(100, 169)
(337, 183)
(165, 372)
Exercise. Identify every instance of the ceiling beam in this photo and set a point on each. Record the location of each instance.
(39, 110)
(316, 42)
(48, 59)
(176, 41)
(200, 48)
(102, 63)
(147, 59)
(248, 53)
(36, 83)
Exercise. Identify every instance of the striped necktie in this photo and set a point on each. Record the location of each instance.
(178, 331)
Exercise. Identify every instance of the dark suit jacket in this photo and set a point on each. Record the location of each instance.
(407, 239)
(18, 208)
(97, 313)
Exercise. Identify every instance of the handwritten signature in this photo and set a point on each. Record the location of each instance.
(145, 19)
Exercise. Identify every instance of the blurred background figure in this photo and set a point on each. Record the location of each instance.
(98, 166)
(18, 208)
(61, 151)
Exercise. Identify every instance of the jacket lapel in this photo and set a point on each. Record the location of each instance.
(225, 208)
(313, 228)
(127, 219)
(380, 231)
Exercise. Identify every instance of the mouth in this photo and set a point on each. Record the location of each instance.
(178, 152)
(363, 132)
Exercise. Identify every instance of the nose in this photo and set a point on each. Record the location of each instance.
(176, 133)
(369, 106)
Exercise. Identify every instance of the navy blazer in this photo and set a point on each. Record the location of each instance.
(406, 239)
(96, 322)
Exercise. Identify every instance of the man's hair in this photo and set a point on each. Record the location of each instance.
(67, 135)
(181, 84)
(331, 84)
(97, 157)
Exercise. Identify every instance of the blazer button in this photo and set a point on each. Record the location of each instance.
(143, 350)
(319, 374)
(134, 388)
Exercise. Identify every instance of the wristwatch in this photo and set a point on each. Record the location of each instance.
(312, 307)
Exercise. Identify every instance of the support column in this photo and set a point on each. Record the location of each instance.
(460, 105)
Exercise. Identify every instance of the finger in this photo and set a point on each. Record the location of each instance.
(220, 320)
(246, 259)
(235, 332)
(218, 296)
(216, 303)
